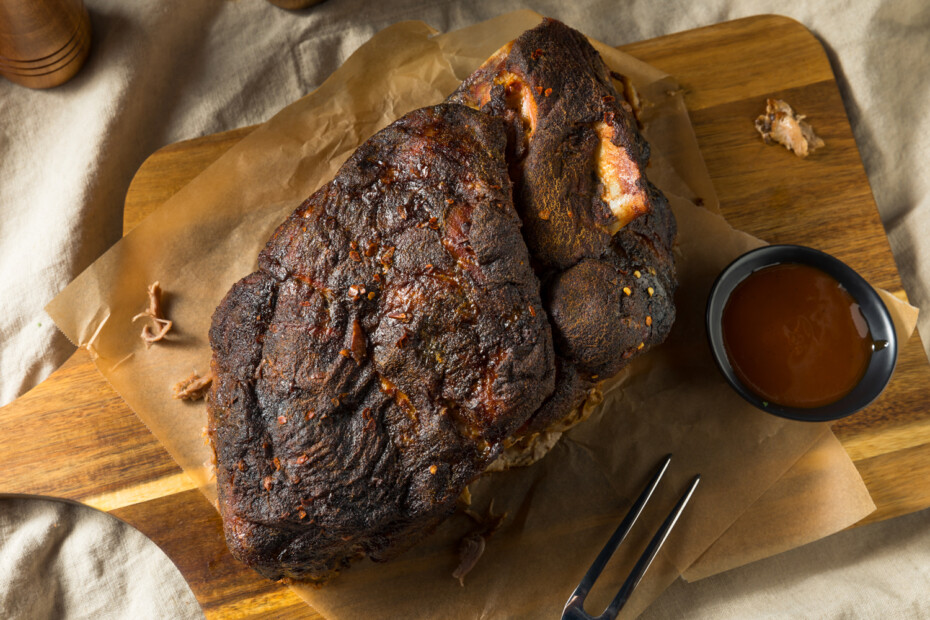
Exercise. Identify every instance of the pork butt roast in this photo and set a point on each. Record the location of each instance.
(456, 290)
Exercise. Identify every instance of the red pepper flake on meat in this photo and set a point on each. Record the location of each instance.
(282, 419)
(267, 483)
(355, 256)
(356, 291)
(358, 342)
(368, 417)
(388, 256)
(303, 458)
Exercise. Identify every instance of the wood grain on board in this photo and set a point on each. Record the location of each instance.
(73, 437)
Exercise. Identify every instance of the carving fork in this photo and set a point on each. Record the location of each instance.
(574, 608)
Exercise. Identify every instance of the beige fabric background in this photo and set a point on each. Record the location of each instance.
(171, 70)
(64, 560)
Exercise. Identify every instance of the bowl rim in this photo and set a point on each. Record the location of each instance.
(881, 364)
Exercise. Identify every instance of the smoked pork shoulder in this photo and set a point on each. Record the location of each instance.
(471, 272)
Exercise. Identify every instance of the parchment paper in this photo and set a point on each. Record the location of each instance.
(561, 510)
(770, 525)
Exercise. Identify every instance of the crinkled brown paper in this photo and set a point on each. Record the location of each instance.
(561, 510)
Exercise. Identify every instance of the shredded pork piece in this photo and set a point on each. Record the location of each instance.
(781, 124)
(194, 387)
(472, 546)
(154, 314)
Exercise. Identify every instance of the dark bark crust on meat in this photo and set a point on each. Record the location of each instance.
(401, 329)
(391, 339)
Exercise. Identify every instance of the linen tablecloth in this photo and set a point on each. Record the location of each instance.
(173, 70)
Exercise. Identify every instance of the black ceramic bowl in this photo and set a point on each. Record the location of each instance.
(881, 364)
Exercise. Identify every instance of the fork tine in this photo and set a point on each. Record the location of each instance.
(645, 560)
(576, 600)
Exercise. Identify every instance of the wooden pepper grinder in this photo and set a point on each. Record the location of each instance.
(43, 43)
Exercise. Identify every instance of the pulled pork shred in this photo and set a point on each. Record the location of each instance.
(780, 124)
(473, 544)
(194, 387)
(156, 317)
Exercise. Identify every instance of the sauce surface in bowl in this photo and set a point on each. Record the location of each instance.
(795, 337)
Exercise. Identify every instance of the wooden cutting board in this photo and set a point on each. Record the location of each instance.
(73, 437)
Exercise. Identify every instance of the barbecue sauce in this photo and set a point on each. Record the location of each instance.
(795, 337)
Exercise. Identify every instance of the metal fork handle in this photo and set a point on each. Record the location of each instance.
(574, 608)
